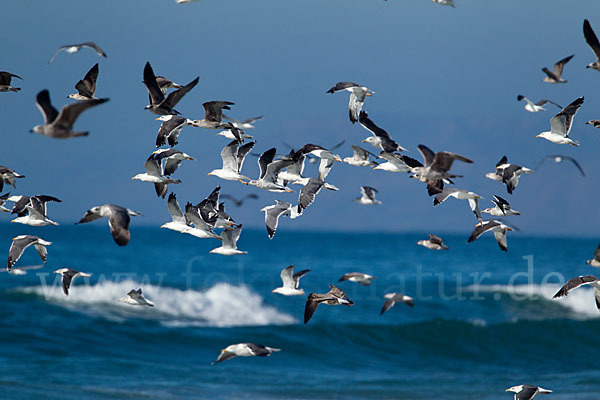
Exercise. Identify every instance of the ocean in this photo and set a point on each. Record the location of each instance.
(483, 320)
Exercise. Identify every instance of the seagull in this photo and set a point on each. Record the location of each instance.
(497, 227)
(68, 275)
(34, 213)
(8, 176)
(213, 116)
(269, 172)
(556, 75)
(501, 209)
(445, 2)
(74, 48)
(21, 203)
(60, 125)
(527, 392)
(213, 212)
(178, 221)
(317, 151)
(580, 281)
(558, 159)
(380, 139)
(272, 214)
(592, 41)
(360, 158)
(20, 243)
(239, 202)
(560, 124)
(233, 159)
(436, 165)
(460, 194)
(230, 237)
(157, 173)
(202, 229)
(170, 129)
(87, 86)
(595, 262)
(595, 123)
(536, 107)
(397, 162)
(118, 220)
(508, 174)
(433, 243)
(245, 350)
(359, 277)
(290, 282)
(136, 298)
(367, 196)
(393, 298)
(334, 297)
(5, 78)
(159, 104)
(357, 97)
(312, 186)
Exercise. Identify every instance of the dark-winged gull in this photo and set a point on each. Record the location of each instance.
(118, 220)
(497, 227)
(202, 229)
(213, 211)
(269, 172)
(560, 125)
(158, 173)
(559, 159)
(312, 186)
(290, 282)
(213, 116)
(536, 107)
(334, 297)
(233, 159)
(136, 298)
(501, 208)
(393, 298)
(68, 275)
(592, 41)
(245, 350)
(367, 196)
(527, 392)
(87, 86)
(357, 97)
(239, 202)
(556, 75)
(380, 139)
(359, 277)
(229, 238)
(22, 202)
(159, 104)
(74, 48)
(580, 281)
(397, 162)
(594, 122)
(508, 174)
(360, 158)
(8, 176)
(272, 214)
(60, 125)
(595, 262)
(33, 212)
(460, 194)
(20, 243)
(5, 78)
(433, 243)
(170, 129)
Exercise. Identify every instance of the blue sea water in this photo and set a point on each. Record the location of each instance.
(476, 328)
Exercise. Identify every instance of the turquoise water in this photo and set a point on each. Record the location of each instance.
(476, 328)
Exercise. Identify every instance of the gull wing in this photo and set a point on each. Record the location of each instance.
(119, 226)
(45, 106)
(176, 95)
(574, 284)
(560, 65)
(287, 277)
(369, 125)
(175, 210)
(69, 113)
(229, 156)
(214, 110)
(87, 86)
(156, 95)
(561, 122)
(264, 160)
(241, 154)
(591, 38)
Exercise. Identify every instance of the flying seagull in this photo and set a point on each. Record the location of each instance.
(8, 176)
(159, 104)
(245, 350)
(556, 75)
(357, 97)
(239, 202)
(580, 281)
(592, 41)
(367, 194)
(158, 173)
(497, 227)
(118, 220)
(393, 298)
(460, 194)
(558, 159)
(170, 129)
(272, 214)
(68, 275)
(360, 158)
(433, 243)
(334, 297)
(87, 86)
(380, 139)
(20, 243)
(32, 210)
(229, 238)
(269, 172)
(74, 48)
(536, 107)
(60, 125)
(22, 202)
(397, 162)
(291, 282)
(560, 124)
(359, 277)
(501, 208)
(136, 298)
(437, 166)
(594, 122)
(213, 116)
(178, 221)
(233, 159)
(595, 262)
(5, 78)
(312, 186)
(508, 174)
(527, 392)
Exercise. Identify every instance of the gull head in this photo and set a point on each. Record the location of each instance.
(37, 129)
(515, 389)
(163, 117)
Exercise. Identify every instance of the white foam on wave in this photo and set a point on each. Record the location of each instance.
(580, 300)
(222, 305)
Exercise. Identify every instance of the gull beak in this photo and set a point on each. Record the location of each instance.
(133, 178)
(158, 119)
(368, 94)
(337, 158)
(287, 189)
(540, 135)
(11, 223)
(210, 173)
(262, 210)
(244, 182)
(364, 141)
(189, 158)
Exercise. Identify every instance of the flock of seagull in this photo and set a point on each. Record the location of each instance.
(278, 172)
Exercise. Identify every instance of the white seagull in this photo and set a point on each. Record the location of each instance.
(393, 298)
(501, 208)
(357, 97)
(527, 392)
(272, 214)
(269, 172)
(74, 48)
(245, 350)
(20, 243)
(497, 227)
(178, 221)
(291, 282)
(580, 281)
(557, 158)
(508, 174)
(560, 125)
(536, 107)
(136, 298)
(229, 237)
(360, 158)
(233, 159)
(68, 275)
(460, 194)
(367, 196)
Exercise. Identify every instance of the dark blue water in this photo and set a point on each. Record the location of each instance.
(476, 328)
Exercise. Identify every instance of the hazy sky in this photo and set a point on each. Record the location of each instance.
(444, 77)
